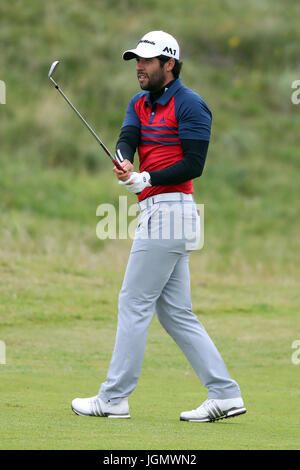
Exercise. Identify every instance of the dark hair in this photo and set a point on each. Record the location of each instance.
(177, 66)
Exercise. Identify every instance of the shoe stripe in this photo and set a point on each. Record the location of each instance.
(211, 415)
(99, 407)
(95, 410)
(96, 407)
(93, 407)
(219, 411)
(210, 411)
(213, 411)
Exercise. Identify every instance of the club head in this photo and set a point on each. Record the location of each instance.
(53, 67)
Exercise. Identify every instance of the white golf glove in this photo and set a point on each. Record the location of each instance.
(137, 182)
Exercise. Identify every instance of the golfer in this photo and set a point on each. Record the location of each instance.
(170, 126)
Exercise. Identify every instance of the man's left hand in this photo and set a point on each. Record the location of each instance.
(137, 182)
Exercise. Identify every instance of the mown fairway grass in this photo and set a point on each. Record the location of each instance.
(59, 284)
(59, 320)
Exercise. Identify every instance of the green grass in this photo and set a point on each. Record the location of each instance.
(59, 320)
(59, 283)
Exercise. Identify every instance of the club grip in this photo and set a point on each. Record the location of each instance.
(117, 165)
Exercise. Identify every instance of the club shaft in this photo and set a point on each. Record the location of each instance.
(114, 160)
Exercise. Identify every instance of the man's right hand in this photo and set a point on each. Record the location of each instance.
(128, 168)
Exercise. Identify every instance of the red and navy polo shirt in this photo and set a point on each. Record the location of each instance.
(179, 113)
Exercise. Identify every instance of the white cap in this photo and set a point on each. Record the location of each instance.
(154, 44)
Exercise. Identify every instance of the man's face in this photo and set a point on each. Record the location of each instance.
(151, 75)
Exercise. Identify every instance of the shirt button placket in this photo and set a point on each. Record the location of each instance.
(152, 115)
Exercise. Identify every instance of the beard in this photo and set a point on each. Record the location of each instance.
(154, 82)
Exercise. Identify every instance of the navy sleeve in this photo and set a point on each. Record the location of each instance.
(193, 116)
(194, 156)
(128, 142)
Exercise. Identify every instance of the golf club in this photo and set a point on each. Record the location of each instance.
(116, 160)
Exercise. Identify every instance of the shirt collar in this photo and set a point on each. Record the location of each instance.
(163, 100)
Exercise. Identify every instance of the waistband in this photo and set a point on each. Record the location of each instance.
(165, 197)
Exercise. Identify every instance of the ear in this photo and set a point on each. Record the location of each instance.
(169, 65)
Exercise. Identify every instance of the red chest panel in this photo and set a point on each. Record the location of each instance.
(159, 145)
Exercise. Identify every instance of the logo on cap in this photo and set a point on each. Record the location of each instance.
(169, 50)
(148, 42)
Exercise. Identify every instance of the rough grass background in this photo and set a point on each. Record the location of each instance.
(59, 283)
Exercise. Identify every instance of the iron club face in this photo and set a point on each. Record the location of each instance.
(52, 68)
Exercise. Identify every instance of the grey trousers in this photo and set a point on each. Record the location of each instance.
(157, 280)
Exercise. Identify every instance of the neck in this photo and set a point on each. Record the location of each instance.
(154, 95)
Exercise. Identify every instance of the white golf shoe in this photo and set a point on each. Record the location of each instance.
(214, 409)
(94, 406)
